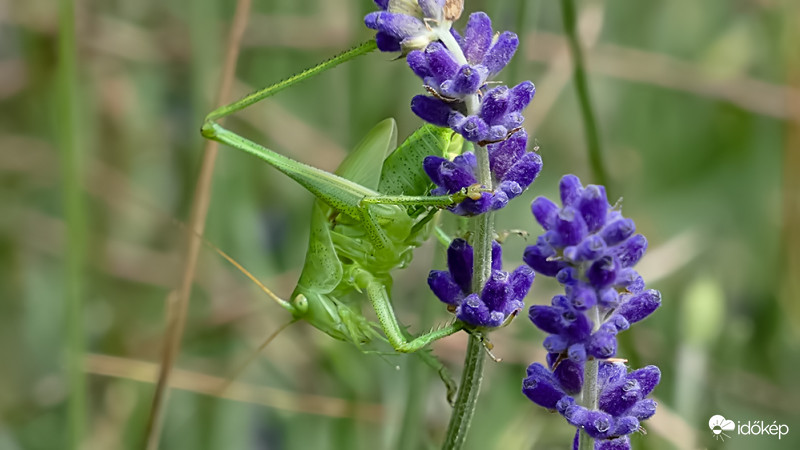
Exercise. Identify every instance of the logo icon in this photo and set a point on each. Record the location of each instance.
(719, 425)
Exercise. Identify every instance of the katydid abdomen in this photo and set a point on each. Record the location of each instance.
(342, 257)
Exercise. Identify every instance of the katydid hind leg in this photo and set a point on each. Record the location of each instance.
(273, 89)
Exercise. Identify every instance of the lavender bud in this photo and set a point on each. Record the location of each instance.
(640, 306)
(630, 251)
(617, 231)
(431, 110)
(603, 272)
(501, 52)
(569, 374)
(541, 387)
(477, 37)
(570, 188)
(443, 286)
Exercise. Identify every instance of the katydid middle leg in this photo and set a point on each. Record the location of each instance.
(376, 292)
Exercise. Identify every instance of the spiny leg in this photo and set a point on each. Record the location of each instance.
(268, 91)
(374, 229)
(439, 201)
(442, 236)
(376, 292)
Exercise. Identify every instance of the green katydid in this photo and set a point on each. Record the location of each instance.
(368, 218)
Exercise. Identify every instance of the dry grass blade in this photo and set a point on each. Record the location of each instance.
(146, 372)
(176, 316)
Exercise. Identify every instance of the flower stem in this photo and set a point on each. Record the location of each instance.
(582, 87)
(482, 231)
(482, 227)
(467, 399)
(589, 389)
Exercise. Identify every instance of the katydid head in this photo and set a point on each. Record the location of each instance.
(300, 305)
(330, 315)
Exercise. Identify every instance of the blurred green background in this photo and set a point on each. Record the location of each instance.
(699, 111)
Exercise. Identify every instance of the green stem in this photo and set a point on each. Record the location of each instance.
(482, 231)
(74, 212)
(467, 399)
(588, 394)
(482, 227)
(582, 87)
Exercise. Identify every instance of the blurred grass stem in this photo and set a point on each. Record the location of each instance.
(75, 214)
(176, 315)
(569, 17)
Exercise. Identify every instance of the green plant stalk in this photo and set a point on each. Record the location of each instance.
(589, 389)
(470, 386)
(482, 232)
(599, 172)
(75, 215)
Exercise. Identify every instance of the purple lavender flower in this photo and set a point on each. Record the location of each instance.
(590, 248)
(455, 70)
(513, 170)
(455, 78)
(501, 298)
(622, 402)
(411, 24)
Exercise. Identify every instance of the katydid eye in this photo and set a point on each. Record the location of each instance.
(301, 303)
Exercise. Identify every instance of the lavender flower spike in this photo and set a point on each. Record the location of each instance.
(590, 248)
(455, 70)
(501, 298)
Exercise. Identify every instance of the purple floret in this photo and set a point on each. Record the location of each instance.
(511, 175)
(500, 298)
